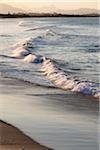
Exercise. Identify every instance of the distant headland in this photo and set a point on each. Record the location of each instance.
(21, 15)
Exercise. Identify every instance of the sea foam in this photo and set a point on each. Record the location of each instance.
(54, 74)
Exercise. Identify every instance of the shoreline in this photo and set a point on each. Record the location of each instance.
(11, 138)
(55, 118)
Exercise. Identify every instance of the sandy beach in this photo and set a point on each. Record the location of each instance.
(12, 138)
(51, 92)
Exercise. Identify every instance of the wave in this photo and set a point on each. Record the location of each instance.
(49, 68)
(65, 82)
(24, 23)
(39, 28)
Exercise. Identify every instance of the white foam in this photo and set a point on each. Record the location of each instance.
(20, 53)
(78, 87)
(22, 49)
(97, 95)
(60, 80)
(68, 84)
(52, 72)
(30, 58)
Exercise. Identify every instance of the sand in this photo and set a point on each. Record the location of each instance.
(12, 138)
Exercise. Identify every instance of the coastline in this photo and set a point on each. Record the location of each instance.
(53, 117)
(11, 138)
(46, 15)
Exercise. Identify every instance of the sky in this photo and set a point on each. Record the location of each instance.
(60, 4)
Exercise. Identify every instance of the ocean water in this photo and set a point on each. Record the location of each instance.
(70, 44)
(61, 55)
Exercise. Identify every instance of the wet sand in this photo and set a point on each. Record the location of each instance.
(12, 138)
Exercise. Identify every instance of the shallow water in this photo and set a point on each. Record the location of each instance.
(51, 116)
(57, 118)
(72, 42)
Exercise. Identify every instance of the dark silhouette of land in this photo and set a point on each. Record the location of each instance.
(21, 15)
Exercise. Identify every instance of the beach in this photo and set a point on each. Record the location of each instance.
(49, 86)
(12, 138)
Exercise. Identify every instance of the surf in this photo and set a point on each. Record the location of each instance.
(54, 74)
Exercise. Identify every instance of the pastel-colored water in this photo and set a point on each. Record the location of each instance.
(57, 118)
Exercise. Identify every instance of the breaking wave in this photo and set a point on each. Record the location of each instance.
(46, 71)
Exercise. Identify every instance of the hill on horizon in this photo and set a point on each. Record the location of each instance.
(5, 8)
